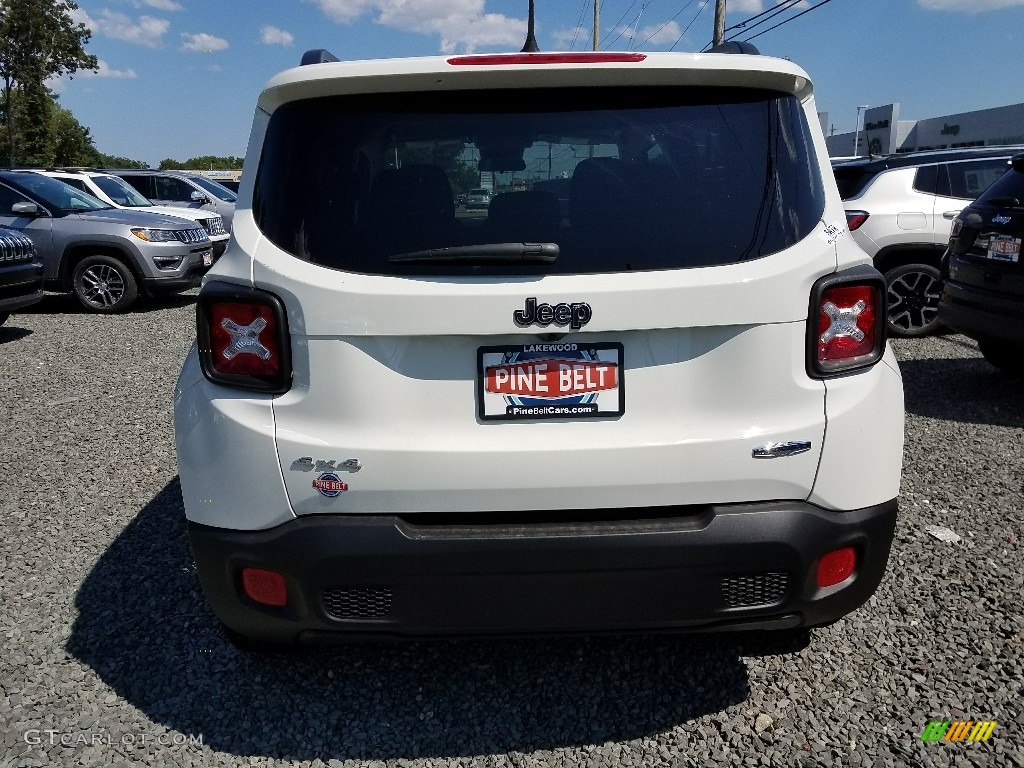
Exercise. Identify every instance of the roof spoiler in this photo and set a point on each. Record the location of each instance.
(735, 46)
(317, 56)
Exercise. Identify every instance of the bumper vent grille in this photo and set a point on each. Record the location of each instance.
(357, 602)
(756, 589)
(214, 226)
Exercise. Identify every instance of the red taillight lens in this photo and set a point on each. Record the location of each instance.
(263, 586)
(954, 230)
(854, 219)
(243, 338)
(846, 328)
(847, 323)
(836, 566)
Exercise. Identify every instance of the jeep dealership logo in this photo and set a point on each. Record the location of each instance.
(575, 315)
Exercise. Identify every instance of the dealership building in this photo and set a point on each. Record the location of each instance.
(883, 132)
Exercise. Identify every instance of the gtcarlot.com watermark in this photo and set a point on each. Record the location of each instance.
(38, 737)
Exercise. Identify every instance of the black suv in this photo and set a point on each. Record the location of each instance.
(21, 273)
(983, 293)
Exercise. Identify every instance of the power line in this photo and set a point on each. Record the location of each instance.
(697, 16)
(579, 25)
(617, 25)
(743, 28)
(791, 18)
(655, 33)
(636, 26)
(758, 15)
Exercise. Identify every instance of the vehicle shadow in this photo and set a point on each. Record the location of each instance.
(968, 390)
(144, 628)
(10, 331)
(67, 304)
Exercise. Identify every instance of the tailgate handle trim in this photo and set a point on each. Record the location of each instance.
(781, 450)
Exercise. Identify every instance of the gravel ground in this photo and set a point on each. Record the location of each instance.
(109, 655)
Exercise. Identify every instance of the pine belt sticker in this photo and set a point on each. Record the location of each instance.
(561, 380)
(834, 231)
(330, 485)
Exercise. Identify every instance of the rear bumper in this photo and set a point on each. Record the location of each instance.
(20, 285)
(981, 314)
(709, 568)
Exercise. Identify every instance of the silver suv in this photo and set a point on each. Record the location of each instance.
(900, 208)
(104, 255)
(182, 189)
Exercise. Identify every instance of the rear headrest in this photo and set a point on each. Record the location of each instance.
(417, 191)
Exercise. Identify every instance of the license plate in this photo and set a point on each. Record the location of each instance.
(550, 381)
(208, 259)
(1004, 248)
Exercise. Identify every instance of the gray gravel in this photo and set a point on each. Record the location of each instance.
(106, 642)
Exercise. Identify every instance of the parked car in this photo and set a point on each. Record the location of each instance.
(115, 191)
(21, 273)
(230, 185)
(399, 422)
(983, 274)
(103, 254)
(181, 189)
(900, 207)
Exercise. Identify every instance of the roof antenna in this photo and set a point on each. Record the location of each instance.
(531, 42)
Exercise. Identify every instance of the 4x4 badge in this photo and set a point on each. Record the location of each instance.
(575, 315)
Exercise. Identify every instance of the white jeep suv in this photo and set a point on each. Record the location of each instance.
(664, 401)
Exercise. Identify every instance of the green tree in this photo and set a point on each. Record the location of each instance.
(38, 40)
(72, 144)
(203, 163)
(113, 161)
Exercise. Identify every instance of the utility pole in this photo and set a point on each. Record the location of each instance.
(719, 21)
(597, 21)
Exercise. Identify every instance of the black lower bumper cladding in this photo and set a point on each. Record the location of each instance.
(709, 568)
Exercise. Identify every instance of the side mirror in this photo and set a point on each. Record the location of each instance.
(26, 209)
(199, 197)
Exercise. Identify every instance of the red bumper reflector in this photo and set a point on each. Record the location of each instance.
(266, 587)
(836, 566)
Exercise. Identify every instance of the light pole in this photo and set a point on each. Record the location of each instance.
(856, 141)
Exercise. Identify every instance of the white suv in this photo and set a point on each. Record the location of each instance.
(117, 192)
(900, 209)
(606, 412)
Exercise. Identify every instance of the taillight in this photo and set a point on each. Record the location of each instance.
(243, 338)
(954, 230)
(854, 219)
(846, 326)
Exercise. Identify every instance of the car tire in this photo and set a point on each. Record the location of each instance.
(3, 317)
(104, 284)
(912, 296)
(1007, 358)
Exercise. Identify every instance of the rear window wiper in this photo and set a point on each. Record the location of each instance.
(1004, 202)
(503, 253)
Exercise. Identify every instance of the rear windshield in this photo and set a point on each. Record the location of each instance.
(1006, 192)
(617, 179)
(851, 179)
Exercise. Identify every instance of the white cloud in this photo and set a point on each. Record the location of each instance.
(564, 38)
(160, 5)
(203, 43)
(967, 6)
(658, 34)
(106, 71)
(146, 31)
(459, 23)
(273, 36)
(745, 6)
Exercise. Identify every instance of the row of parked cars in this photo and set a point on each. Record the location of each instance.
(945, 264)
(109, 235)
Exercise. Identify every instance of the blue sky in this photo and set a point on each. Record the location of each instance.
(180, 78)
